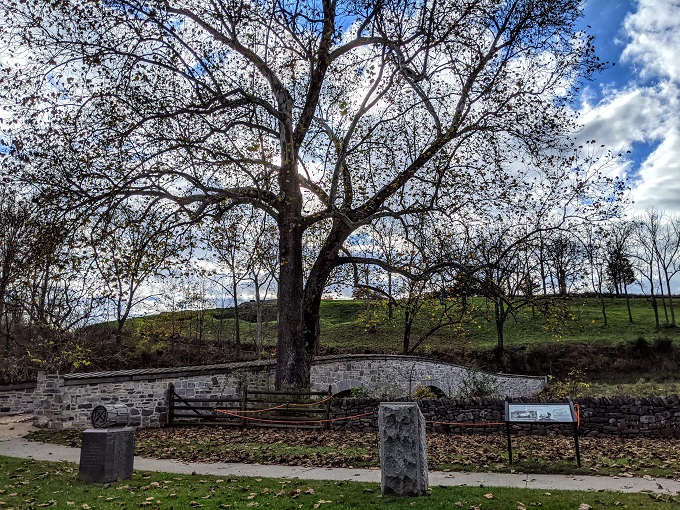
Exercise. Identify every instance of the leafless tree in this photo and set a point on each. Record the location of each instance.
(328, 114)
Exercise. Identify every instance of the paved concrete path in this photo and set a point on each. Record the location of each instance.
(12, 444)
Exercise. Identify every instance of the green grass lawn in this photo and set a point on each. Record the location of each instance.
(27, 484)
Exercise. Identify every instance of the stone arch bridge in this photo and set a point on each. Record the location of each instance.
(66, 400)
(383, 375)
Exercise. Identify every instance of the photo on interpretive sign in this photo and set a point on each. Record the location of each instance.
(540, 413)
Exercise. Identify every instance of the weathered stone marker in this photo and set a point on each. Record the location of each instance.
(107, 452)
(403, 453)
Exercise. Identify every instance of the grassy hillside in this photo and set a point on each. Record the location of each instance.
(342, 328)
(571, 338)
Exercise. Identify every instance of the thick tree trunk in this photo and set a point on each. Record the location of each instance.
(293, 361)
(294, 364)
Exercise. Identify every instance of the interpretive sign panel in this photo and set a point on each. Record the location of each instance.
(544, 413)
(539, 413)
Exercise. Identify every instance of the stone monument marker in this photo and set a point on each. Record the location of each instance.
(403, 453)
(107, 452)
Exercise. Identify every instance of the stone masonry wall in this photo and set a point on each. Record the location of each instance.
(602, 416)
(17, 398)
(66, 401)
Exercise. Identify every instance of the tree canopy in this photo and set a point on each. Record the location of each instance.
(328, 115)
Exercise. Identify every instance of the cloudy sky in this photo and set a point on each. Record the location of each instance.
(634, 105)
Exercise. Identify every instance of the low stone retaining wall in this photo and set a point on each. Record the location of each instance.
(17, 398)
(636, 417)
(66, 401)
(602, 416)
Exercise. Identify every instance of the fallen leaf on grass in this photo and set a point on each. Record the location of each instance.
(584, 506)
(488, 496)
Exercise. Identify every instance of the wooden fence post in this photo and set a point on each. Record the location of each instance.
(171, 403)
(328, 406)
(244, 404)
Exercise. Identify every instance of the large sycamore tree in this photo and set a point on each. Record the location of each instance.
(326, 114)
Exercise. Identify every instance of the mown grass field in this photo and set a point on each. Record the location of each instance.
(30, 484)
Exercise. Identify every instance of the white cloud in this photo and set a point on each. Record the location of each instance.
(654, 38)
(648, 115)
(659, 185)
(645, 108)
(626, 116)
(653, 41)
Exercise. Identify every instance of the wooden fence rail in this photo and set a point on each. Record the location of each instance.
(253, 409)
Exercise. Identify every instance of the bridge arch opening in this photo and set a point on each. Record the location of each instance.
(345, 388)
(438, 392)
